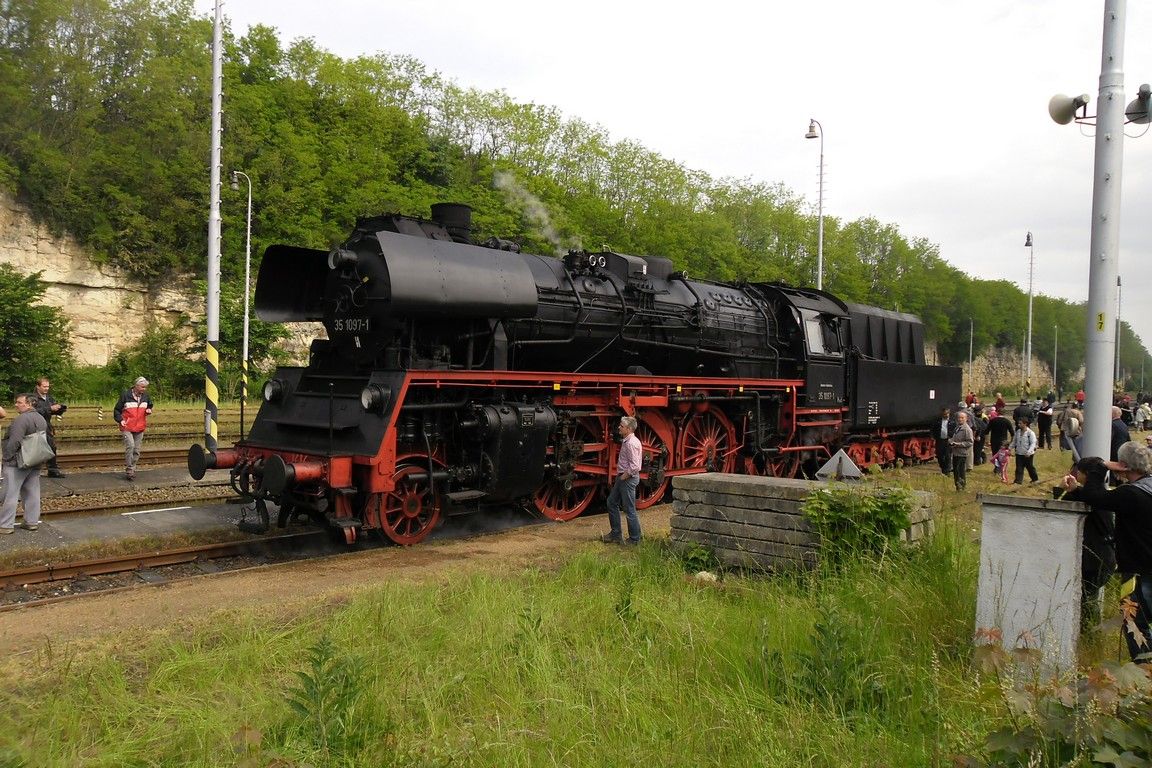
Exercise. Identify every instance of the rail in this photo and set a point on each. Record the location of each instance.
(149, 456)
(20, 578)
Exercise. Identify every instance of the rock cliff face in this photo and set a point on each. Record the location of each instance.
(108, 310)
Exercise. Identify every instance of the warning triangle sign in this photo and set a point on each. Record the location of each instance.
(839, 467)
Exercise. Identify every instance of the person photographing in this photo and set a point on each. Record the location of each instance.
(1132, 503)
(47, 407)
(1098, 552)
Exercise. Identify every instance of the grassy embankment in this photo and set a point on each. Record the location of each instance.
(613, 657)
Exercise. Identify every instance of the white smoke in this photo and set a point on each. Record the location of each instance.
(534, 210)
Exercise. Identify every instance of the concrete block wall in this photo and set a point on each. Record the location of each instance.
(755, 523)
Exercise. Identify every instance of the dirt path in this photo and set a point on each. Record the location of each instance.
(295, 586)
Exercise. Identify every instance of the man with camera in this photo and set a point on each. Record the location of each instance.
(46, 406)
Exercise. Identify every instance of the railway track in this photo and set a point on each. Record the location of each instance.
(112, 458)
(25, 587)
(30, 586)
(224, 494)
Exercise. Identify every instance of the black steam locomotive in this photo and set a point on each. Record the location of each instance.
(458, 376)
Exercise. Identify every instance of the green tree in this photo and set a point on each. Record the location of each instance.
(33, 336)
(162, 355)
(104, 129)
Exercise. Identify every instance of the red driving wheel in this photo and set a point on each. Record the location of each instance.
(708, 442)
(565, 499)
(410, 511)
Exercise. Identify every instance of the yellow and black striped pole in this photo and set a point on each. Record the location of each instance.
(243, 395)
(211, 395)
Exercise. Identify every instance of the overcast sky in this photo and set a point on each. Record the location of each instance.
(934, 111)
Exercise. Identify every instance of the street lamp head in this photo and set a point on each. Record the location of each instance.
(235, 181)
(1028, 241)
(812, 130)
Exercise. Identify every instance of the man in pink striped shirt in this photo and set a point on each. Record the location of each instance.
(624, 487)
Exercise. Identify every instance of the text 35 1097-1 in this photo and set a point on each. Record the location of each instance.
(352, 324)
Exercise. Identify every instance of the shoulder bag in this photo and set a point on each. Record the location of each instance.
(34, 450)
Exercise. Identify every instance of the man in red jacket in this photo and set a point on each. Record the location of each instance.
(131, 413)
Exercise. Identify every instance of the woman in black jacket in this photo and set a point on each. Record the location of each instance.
(1132, 503)
(1098, 556)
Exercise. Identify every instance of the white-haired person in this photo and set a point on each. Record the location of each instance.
(131, 414)
(1132, 503)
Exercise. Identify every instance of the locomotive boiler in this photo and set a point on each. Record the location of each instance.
(459, 376)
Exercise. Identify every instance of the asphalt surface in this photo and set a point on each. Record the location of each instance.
(171, 518)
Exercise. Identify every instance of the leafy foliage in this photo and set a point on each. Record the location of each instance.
(853, 520)
(162, 356)
(1103, 717)
(33, 337)
(695, 558)
(263, 350)
(106, 127)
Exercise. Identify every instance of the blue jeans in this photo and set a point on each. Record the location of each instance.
(624, 494)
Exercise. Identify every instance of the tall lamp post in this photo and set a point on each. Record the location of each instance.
(1119, 383)
(1055, 369)
(816, 131)
(971, 381)
(247, 276)
(1028, 341)
(1104, 248)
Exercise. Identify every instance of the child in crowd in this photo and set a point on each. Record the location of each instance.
(1000, 463)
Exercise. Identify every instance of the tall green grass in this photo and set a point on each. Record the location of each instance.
(616, 657)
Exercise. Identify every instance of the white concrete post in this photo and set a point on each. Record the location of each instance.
(1029, 585)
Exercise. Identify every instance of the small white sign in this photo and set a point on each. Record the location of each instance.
(931, 394)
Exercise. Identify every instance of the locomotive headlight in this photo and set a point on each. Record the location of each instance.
(374, 397)
(273, 390)
(339, 257)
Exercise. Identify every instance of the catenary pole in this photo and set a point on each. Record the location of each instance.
(247, 290)
(1119, 289)
(971, 381)
(816, 131)
(212, 350)
(1103, 254)
(1028, 340)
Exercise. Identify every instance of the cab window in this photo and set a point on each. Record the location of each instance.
(820, 332)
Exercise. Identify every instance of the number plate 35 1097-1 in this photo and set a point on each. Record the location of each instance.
(352, 325)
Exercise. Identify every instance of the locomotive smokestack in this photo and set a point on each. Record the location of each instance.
(456, 218)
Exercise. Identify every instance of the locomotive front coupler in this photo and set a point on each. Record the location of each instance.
(242, 475)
